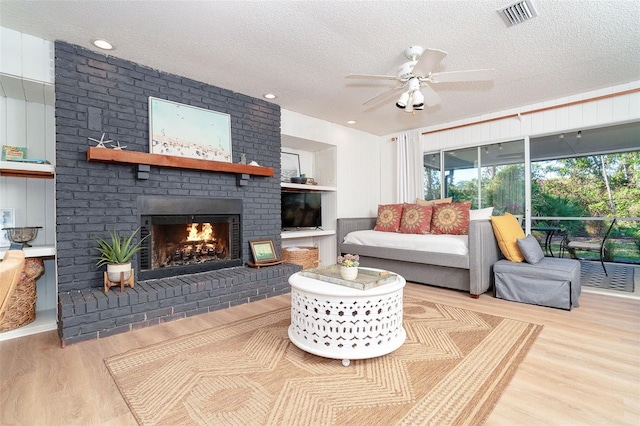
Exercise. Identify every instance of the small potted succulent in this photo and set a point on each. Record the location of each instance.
(349, 266)
(116, 252)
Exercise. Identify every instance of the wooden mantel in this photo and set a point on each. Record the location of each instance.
(106, 155)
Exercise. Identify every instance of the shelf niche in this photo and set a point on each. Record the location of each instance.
(106, 155)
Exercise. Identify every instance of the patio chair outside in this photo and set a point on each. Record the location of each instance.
(589, 246)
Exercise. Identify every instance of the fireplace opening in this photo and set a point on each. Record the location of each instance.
(182, 243)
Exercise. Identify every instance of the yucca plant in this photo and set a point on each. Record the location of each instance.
(119, 250)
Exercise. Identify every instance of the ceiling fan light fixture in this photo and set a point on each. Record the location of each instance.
(403, 101)
(409, 107)
(418, 100)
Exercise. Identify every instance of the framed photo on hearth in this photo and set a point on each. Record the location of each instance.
(264, 251)
(187, 131)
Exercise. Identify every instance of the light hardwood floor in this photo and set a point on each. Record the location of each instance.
(584, 368)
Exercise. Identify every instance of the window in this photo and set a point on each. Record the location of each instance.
(461, 175)
(432, 176)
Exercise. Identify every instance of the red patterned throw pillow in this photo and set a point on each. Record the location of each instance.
(451, 218)
(389, 216)
(416, 219)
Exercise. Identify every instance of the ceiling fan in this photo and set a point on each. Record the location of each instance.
(417, 74)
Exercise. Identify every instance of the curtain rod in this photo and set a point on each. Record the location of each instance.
(519, 114)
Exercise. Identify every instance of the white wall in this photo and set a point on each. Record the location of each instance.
(358, 161)
(600, 113)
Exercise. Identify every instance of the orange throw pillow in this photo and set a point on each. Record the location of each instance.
(416, 219)
(389, 217)
(507, 230)
(452, 218)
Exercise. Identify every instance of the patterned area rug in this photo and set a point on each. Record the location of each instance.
(451, 370)
(620, 276)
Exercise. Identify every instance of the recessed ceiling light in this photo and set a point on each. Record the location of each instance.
(103, 44)
(270, 96)
(351, 122)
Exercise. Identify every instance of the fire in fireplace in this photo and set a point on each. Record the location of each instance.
(188, 235)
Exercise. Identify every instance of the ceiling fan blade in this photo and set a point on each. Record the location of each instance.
(454, 76)
(431, 98)
(428, 61)
(373, 76)
(383, 95)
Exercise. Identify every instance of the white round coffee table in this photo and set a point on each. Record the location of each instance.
(339, 322)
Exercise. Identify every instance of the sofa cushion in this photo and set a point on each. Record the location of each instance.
(507, 231)
(416, 219)
(481, 214)
(530, 249)
(389, 217)
(452, 218)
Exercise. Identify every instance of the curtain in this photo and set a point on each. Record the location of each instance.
(410, 165)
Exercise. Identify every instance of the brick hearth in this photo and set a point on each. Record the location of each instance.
(91, 313)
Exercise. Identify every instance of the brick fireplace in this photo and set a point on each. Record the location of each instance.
(97, 94)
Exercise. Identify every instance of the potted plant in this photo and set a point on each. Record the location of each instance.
(117, 254)
(349, 266)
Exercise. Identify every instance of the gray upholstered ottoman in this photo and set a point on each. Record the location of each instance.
(551, 282)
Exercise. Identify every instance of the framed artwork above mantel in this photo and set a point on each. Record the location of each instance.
(187, 131)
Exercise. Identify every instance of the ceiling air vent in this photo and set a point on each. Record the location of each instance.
(518, 12)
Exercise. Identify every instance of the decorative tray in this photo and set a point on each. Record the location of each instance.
(367, 279)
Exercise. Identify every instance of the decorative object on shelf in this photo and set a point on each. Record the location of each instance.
(10, 153)
(289, 166)
(117, 254)
(18, 307)
(264, 251)
(6, 221)
(118, 147)
(349, 266)
(187, 131)
(18, 154)
(100, 142)
(243, 158)
(254, 163)
(22, 235)
(298, 179)
(307, 257)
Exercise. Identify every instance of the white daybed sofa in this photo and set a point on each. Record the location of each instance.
(469, 271)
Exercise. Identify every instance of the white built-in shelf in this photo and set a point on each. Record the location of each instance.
(35, 251)
(306, 187)
(45, 321)
(287, 235)
(28, 170)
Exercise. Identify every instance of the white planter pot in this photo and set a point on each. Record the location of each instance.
(114, 270)
(348, 273)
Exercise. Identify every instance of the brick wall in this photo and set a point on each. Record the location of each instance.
(98, 94)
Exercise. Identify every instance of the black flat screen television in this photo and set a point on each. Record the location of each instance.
(301, 210)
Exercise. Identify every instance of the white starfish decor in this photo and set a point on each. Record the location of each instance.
(118, 147)
(101, 142)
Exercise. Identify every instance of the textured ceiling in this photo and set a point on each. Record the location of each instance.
(302, 50)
